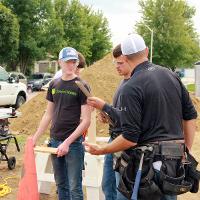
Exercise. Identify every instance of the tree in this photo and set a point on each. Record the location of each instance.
(46, 26)
(86, 31)
(54, 34)
(33, 18)
(54, 37)
(77, 32)
(9, 36)
(60, 7)
(175, 41)
(101, 44)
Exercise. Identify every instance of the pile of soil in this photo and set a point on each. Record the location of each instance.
(196, 102)
(103, 79)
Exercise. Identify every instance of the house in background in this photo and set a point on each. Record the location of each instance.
(46, 66)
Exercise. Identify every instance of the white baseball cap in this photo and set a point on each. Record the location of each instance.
(133, 43)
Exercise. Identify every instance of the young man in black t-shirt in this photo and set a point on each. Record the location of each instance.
(66, 103)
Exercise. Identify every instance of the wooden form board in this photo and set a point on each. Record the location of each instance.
(44, 149)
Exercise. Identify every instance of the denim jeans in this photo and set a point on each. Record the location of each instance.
(110, 179)
(120, 196)
(157, 181)
(68, 170)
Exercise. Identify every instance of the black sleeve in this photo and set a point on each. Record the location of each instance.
(114, 113)
(50, 90)
(81, 95)
(131, 114)
(188, 109)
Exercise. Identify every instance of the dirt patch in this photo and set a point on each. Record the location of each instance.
(103, 80)
(196, 102)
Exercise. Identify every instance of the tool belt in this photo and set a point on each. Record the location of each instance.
(192, 175)
(128, 166)
(178, 172)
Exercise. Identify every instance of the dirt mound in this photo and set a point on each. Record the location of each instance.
(31, 114)
(103, 80)
(196, 102)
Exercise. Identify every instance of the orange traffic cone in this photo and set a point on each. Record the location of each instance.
(28, 188)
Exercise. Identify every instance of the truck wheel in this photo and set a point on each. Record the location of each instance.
(11, 163)
(20, 100)
(29, 89)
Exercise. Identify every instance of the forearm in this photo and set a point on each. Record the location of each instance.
(189, 128)
(114, 113)
(46, 119)
(118, 144)
(84, 125)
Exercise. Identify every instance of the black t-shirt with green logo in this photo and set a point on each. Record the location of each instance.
(68, 99)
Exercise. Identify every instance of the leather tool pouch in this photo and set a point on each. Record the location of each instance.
(192, 175)
(172, 172)
(148, 189)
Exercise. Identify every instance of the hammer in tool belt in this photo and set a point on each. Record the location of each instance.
(139, 172)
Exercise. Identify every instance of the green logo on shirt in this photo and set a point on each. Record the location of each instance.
(53, 91)
(69, 92)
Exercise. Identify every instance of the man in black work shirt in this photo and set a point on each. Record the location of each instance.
(111, 178)
(154, 103)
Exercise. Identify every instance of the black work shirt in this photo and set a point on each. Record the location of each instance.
(67, 99)
(114, 111)
(154, 103)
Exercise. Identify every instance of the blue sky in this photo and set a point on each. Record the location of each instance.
(123, 14)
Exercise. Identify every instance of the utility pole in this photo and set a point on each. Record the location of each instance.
(151, 30)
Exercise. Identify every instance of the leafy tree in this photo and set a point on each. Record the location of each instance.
(86, 30)
(54, 37)
(101, 36)
(9, 36)
(77, 32)
(60, 8)
(46, 26)
(33, 16)
(54, 33)
(175, 41)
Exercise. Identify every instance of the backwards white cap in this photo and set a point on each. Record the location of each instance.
(132, 44)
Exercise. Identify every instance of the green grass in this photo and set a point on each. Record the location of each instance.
(191, 87)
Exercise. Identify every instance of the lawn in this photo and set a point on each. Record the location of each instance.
(191, 87)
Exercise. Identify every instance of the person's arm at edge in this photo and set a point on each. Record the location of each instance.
(103, 106)
(189, 128)
(46, 119)
(118, 144)
(113, 112)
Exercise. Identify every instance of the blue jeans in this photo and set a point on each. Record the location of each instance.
(110, 179)
(68, 171)
(120, 196)
(157, 181)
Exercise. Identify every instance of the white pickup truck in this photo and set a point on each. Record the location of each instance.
(12, 92)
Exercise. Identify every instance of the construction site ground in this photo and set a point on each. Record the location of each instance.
(103, 80)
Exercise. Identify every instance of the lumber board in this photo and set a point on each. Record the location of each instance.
(44, 149)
